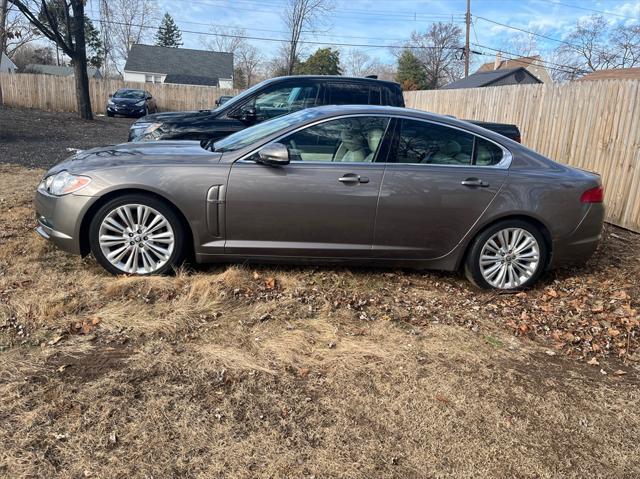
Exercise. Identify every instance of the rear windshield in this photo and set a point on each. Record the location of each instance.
(129, 94)
(262, 130)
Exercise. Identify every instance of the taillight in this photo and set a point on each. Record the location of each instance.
(594, 195)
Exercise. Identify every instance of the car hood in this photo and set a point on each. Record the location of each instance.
(176, 116)
(138, 154)
(126, 101)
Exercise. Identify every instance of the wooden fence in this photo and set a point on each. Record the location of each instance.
(593, 125)
(47, 92)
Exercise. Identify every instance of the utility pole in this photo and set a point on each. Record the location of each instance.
(467, 51)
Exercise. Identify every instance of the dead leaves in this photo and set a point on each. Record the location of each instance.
(85, 327)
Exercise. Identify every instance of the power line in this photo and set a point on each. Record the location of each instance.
(232, 27)
(279, 40)
(589, 9)
(546, 63)
(413, 16)
(572, 45)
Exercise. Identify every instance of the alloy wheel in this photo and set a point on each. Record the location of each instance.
(136, 239)
(509, 258)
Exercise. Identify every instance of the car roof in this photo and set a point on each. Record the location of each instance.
(333, 78)
(327, 111)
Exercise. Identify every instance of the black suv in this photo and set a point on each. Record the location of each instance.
(271, 98)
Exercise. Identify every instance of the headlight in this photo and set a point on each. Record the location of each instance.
(63, 183)
(110, 102)
(151, 127)
(140, 103)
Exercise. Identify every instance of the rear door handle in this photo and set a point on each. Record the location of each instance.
(474, 182)
(353, 178)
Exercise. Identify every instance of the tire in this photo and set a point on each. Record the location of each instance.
(110, 114)
(514, 255)
(118, 241)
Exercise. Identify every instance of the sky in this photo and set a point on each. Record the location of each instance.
(370, 24)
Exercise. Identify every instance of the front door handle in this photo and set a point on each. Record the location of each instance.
(351, 178)
(474, 182)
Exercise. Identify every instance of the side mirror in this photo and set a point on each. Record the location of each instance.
(110, 95)
(275, 154)
(149, 97)
(246, 114)
(218, 102)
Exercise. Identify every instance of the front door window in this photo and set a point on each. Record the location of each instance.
(355, 140)
(283, 100)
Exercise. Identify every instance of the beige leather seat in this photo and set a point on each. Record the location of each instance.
(352, 147)
(373, 139)
(450, 153)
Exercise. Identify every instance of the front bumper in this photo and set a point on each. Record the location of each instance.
(60, 218)
(137, 111)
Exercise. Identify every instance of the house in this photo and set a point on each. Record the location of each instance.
(6, 65)
(513, 76)
(150, 63)
(533, 64)
(613, 74)
(60, 70)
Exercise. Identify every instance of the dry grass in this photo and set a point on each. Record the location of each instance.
(224, 372)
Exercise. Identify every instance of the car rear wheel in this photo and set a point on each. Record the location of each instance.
(137, 234)
(509, 255)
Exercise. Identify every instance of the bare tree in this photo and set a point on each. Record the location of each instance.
(69, 36)
(231, 40)
(594, 45)
(227, 40)
(522, 44)
(357, 63)
(439, 51)
(124, 23)
(249, 61)
(300, 17)
(22, 31)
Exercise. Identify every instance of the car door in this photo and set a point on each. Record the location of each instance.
(322, 204)
(438, 182)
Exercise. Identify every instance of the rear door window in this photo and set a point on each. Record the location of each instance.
(429, 143)
(348, 94)
(487, 153)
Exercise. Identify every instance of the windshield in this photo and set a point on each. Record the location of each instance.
(262, 130)
(236, 100)
(129, 94)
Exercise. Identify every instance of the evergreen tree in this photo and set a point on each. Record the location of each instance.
(411, 74)
(239, 79)
(168, 34)
(325, 61)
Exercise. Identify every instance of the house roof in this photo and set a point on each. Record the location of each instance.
(533, 64)
(179, 61)
(6, 61)
(58, 70)
(477, 80)
(613, 74)
(191, 80)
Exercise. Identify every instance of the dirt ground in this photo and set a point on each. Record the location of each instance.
(39, 139)
(241, 371)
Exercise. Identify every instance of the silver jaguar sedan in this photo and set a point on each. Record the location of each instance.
(350, 184)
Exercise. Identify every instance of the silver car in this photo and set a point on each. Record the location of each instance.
(349, 184)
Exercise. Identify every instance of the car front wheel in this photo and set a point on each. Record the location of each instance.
(509, 255)
(137, 234)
